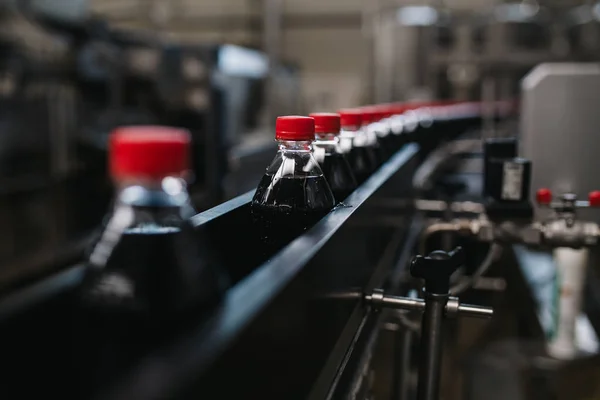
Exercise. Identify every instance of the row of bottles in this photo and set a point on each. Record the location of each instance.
(323, 158)
(149, 270)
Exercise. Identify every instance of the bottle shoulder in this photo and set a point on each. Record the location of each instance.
(294, 165)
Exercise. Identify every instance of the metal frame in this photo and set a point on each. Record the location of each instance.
(300, 314)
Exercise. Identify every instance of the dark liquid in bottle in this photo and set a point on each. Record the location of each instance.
(153, 280)
(153, 270)
(339, 175)
(379, 153)
(396, 141)
(362, 162)
(282, 209)
(387, 145)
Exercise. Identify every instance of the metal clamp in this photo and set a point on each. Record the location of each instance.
(379, 299)
(435, 269)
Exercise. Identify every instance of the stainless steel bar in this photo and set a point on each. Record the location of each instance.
(469, 310)
(403, 303)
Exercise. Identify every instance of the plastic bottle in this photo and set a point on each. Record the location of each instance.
(412, 117)
(448, 118)
(293, 194)
(327, 152)
(397, 124)
(148, 271)
(422, 124)
(384, 129)
(371, 117)
(375, 121)
(353, 141)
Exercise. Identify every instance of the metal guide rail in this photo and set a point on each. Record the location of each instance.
(285, 329)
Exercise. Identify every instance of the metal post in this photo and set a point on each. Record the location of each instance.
(384, 53)
(431, 347)
(272, 27)
(436, 270)
(370, 27)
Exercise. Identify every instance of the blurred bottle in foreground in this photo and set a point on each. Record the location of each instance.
(149, 272)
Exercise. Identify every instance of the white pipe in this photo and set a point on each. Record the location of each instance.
(568, 288)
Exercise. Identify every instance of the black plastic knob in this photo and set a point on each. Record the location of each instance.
(437, 268)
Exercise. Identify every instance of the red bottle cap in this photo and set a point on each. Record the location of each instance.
(369, 115)
(398, 108)
(382, 112)
(326, 122)
(386, 110)
(350, 118)
(412, 105)
(151, 152)
(374, 113)
(594, 198)
(294, 127)
(543, 196)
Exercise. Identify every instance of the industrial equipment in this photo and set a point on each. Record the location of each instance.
(480, 52)
(317, 284)
(364, 303)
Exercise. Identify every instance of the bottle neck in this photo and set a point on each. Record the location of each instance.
(150, 182)
(170, 191)
(396, 124)
(369, 130)
(295, 145)
(326, 137)
(380, 127)
(350, 131)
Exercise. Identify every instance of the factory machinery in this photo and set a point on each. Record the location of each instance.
(482, 51)
(457, 270)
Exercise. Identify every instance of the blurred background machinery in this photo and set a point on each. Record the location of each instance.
(477, 51)
(71, 71)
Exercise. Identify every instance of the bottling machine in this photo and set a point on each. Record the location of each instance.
(478, 51)
(371, 301)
